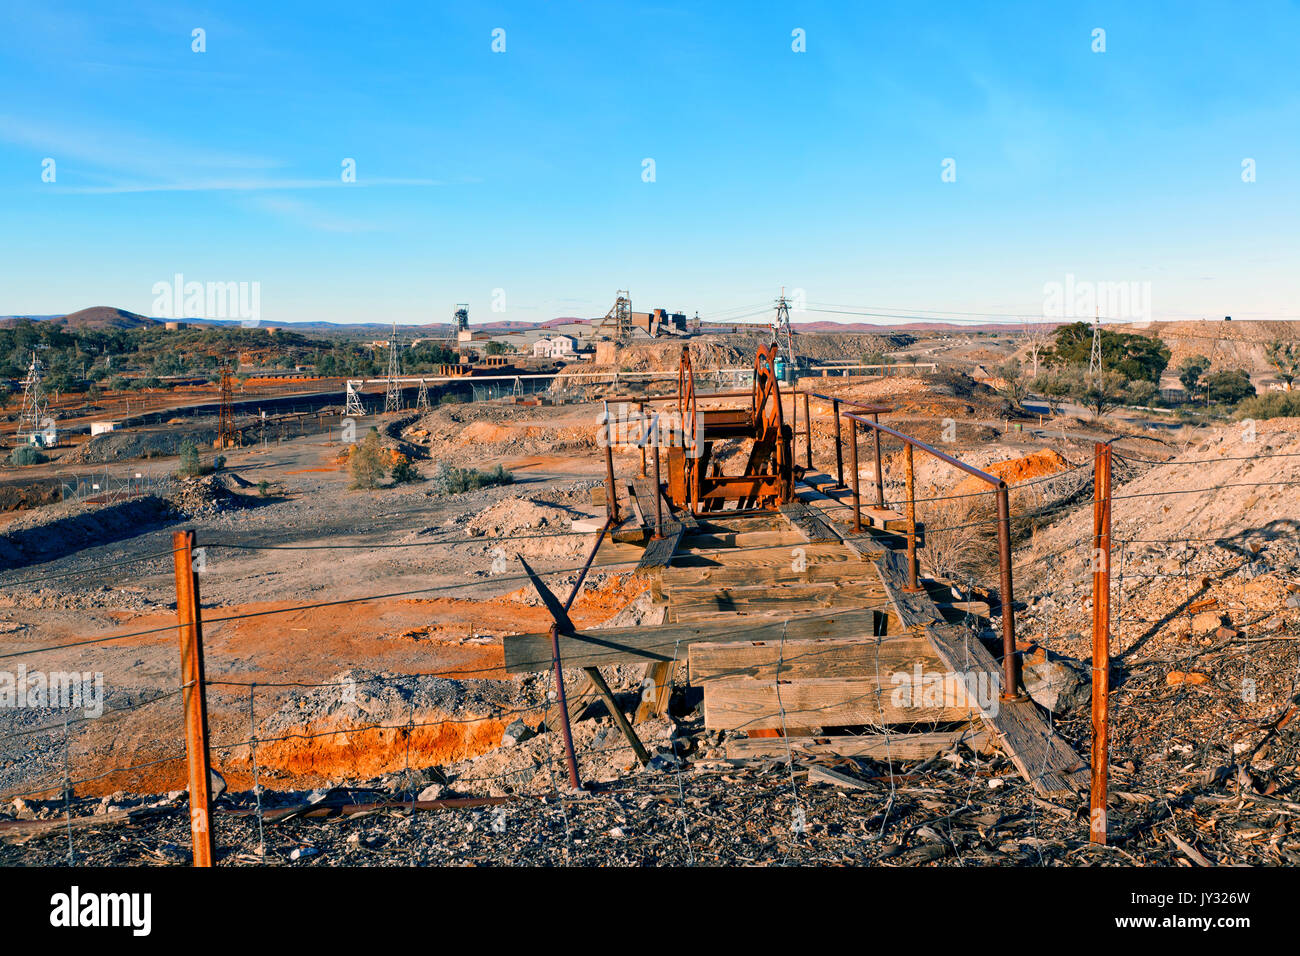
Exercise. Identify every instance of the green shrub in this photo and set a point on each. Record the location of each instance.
(367, 462)
(263, 487)
(405, 471)
(450, 480)
(27, 455)
(1270, 405)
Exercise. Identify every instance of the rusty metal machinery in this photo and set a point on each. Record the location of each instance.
(695, 478)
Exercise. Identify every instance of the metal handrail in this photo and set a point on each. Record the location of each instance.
(1010, 660)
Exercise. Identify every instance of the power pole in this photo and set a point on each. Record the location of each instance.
(393, 400)
(422, 400)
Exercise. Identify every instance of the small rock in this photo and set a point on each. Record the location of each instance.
(433, 791)
(1058, 685)
(516, 734)
(304, 853)
(617, 833)
(1206, 622)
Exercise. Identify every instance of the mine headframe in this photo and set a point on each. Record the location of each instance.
(695, 477)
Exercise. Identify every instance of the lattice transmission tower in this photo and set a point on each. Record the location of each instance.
(393, 399)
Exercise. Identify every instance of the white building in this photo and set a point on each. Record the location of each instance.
(558, 346)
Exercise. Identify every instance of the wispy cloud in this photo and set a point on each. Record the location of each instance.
(248, 185)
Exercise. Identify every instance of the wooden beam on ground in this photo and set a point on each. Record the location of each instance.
(801, 564)
(529, 653)
(800, 660)
(752, 704)
(1041, 756)
(874, 746)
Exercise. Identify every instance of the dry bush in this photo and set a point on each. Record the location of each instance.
(961, 542)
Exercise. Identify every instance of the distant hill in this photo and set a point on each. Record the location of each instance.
(96, 317)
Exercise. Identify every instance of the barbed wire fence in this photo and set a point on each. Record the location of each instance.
(65, 783)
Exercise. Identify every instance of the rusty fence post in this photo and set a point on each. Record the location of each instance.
(807, 425)
(1100, 644)
(910, 476)
(190, 629)
(839, 446)
(853, 463)
(641, 414)
(1010, 657)
(880, 475)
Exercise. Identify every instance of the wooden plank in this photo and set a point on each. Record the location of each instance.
(820, 774)
(873, 746)
(808, 522)
(529, 653)
(655, 703)
(576, 700)
(1042, 757)
(659, 551)
(686, 604)
(752, 704)
(915, 609)
(744, 539)
(616, 712)
(799, 660)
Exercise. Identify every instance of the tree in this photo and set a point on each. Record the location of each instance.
(189, 463)
(496, 348)
(1038, 339)
(1228, 387)
(1015, 385)
(1190, 371)
(1133, 356)
(1285, 359)
(367, 462)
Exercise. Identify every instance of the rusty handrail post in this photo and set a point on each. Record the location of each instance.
(641, 415)
(910, 478)
(880, 475)
(190, 630)
(839, 447)
(807, 424)
(1100, 645)
(659, 498)
(1010, 658)
(853, 462)
(611, 496)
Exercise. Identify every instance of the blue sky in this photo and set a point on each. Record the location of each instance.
(523, 170)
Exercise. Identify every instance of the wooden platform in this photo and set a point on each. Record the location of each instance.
(795, 627)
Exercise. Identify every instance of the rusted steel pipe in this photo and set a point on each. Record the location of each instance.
(1010, 658)
(190, 630)
(839, 448)
(910, 478)
(880, 474)
(874, 423)
(853, 461)
(659, 498)
(807, 424)
(611, 496)
(1100, 645)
